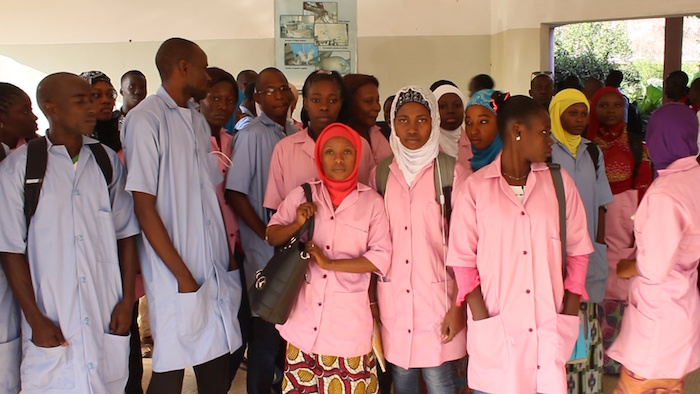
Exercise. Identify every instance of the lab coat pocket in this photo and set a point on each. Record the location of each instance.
(442, 294)
(385, 299)
(487, 344)
(10, 358)
(351, 318)
(355, 238)
(115, 360)
(106, 239)
(47, 368)
(639, 332)
(192, 310)
(567, 334)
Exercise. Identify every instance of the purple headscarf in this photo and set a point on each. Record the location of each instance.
(672, 134)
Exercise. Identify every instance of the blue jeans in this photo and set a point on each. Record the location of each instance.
(438, 380)
(265, 358)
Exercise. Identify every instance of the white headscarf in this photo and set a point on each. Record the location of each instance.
(412, 161)
(449, 139)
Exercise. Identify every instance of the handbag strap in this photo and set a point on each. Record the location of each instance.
(309, 225)
(555, 169)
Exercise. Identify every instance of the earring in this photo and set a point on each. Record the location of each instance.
(518, 137)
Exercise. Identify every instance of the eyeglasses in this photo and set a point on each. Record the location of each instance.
(536, 74)
(284, 89)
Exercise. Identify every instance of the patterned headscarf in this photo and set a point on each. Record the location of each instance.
(484, 157)
(559, 104)
(92, 77)
(412, 161)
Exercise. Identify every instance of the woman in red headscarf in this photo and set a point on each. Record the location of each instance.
(629, 173)
(329, 330)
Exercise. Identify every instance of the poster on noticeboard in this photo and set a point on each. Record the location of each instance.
(315, 35)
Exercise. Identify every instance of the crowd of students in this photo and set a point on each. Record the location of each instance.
(449, 224)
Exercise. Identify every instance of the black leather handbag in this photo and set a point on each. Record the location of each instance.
(277, 286)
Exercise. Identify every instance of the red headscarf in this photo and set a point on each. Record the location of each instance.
(594, 127)
(338, 190)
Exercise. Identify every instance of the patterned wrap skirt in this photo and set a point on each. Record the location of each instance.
(315, 373)
(610, 313)
(631, 383)
(587, 378)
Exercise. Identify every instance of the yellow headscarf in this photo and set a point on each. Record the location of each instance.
(559, 104)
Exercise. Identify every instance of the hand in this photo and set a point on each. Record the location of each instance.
(121, 318)
(318, 255)
(188, 285)
(304, 212)
(453, 323)
(626, 269)
(46, 334)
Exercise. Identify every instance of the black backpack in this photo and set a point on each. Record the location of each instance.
(37, 158)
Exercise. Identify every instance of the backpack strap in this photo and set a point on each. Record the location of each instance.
(37, 158)
(382, 174)
(444, 177)
(555, 170)
(594, 152)
(102, 160)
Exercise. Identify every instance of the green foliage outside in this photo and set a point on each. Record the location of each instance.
(593, 49)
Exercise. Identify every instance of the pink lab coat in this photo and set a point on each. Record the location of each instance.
(619, 236)
(380, 145)
(464, 153)
(331, 315)
(230, 221)
(660, 335)
(292, 164)
(525, 343)
(411, 295)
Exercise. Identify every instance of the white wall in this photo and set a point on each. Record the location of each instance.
(399, 41)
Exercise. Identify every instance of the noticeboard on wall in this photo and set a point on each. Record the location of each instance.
(315, 35)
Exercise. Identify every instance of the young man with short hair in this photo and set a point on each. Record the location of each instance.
(71, 265)
(192, 283)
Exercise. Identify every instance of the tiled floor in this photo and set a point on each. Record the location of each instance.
(692, 384)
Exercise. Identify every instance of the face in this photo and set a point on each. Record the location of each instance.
(535, 144)
(273, 94)
(413, 125)
(71, 109)
(219, 105)
(103, 98)
(365, 105)
(197, 78)
(338, 158)
(19, 118)
(133, 89)
(542, 90)
(575, 118)
(480, 125)
(451, 111)
(322, 104)
(610, 109)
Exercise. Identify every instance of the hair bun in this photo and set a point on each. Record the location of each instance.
(498, 98)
